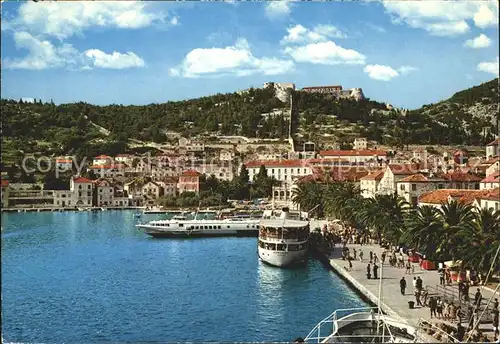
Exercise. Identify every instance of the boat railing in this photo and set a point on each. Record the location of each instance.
(426, 331)
(328, 325)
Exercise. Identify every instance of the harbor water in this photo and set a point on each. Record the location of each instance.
(92, 276)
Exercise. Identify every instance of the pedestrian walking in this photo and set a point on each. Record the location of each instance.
(371, 257)
(350, 263)
(439, 307)
(419, 283)
(354, 253)
(495, 304)
(414, 282)
(360, 256)
(375, 270)
(417, 297)
(402, 285)
(433, 306)
(368, 271)
(408, 267)
(375, 258)
(383, 257)
(478, 297)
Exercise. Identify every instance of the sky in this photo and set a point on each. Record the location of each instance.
(406, 53)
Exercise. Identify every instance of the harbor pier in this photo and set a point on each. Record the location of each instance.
(392, 301)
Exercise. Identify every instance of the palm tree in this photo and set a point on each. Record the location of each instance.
(458, 221)
(482, 240)
(308, 195)
(390, 218)
(423, 227)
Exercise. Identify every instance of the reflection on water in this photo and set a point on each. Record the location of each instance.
(89, 277)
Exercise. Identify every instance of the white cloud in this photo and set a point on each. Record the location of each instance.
(487, 15)
(327, 53)
(481, 41)
(277, 9)
(319, 33)
(63, 20)
(232, 60)
(380, 72)
(42, 54)
(489, 67)
(115, 60)
(386, 73)
(444, 18)
(406, 69)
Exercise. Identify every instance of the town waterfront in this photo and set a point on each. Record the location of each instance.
(91, 276)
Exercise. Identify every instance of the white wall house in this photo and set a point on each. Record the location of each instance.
(490, 182)
(105, 193)
(102, 160)
(284, 170)
(82, 189)
(369, 183)
(392, 175)
(360, 143)
(493, 148)
(410, 188)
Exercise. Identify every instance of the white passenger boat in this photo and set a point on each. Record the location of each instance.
(283, 240)
(154, 210)
(362, 325)
(180, 226)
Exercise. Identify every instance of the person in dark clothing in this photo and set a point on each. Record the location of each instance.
(419, 283)
(402, 285)
(495, 304)
(460, 332)
(441, 276)
(371, 257)
(433, 306)
(417, 297)
(478, 297)
(368, 271)
(495, 322)
(375, 271)
(383, 257)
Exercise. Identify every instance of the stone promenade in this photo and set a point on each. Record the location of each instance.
(393, 302)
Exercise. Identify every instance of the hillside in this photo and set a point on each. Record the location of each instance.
(87, 130)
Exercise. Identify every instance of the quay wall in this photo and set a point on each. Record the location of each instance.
(363, 291)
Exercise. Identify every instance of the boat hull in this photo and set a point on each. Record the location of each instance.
(282, 258)
(200, 233)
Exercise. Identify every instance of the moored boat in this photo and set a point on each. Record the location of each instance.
(180, 226)
(283, 240)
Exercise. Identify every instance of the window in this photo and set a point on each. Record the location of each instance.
(413, 187)
(440, 186)
(402, 187)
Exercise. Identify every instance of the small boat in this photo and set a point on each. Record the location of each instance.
(81, 209)
(154, 210)
(137, 215)
(103, 209)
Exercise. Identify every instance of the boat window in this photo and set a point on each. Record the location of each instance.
(209, 227)
(228, 226)
(197, 227)
(181, 225)
(219, 226)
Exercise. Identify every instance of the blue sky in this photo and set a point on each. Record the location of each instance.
(406, 53)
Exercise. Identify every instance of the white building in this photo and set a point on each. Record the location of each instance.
(360, 143)
(127, 159)
(284, 170)
(64, 198)
(493, 148)
(226, 155)
(393, 174)
(64, 164)
(410, 188)
(369, 183)
(102, 160)
(490, 182)
(82, 189)
(105, 193)
(108, 171)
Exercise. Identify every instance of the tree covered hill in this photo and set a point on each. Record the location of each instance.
(86, 130)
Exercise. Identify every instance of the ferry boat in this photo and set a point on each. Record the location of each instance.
(283, 240)
(362, 325)
(180, 226)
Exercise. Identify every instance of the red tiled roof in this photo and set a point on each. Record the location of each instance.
(495, 142)
(492, 178)
(64, 160)
(103, 157)
(353, 152)
(491, 195)
(277, 163)
(442, 196)
(458, 176)
(375, 175)
(5, 183)
(190, 173)
(404, 169)
(81, 180)
(352, 174)
(415, 178)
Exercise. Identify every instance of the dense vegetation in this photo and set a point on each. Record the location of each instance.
(87, 130)
(454, 232)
